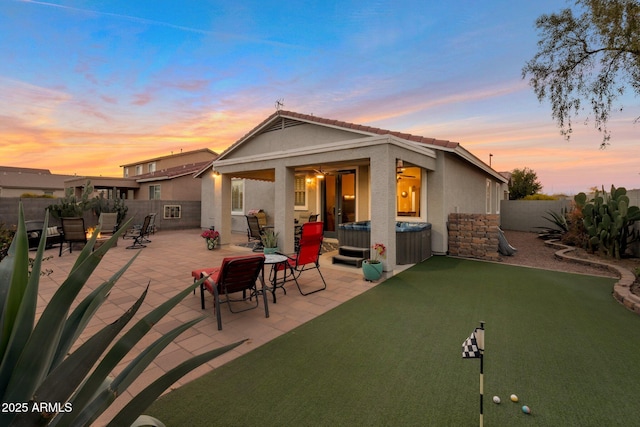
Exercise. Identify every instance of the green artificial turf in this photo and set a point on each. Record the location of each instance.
(392, 357)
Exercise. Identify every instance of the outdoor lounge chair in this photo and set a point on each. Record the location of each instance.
(307, 256)
(254, 232)
(108, 222)
(139, 235)
(73, 231)
(236, 274)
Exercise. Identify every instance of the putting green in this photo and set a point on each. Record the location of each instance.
(392, 356)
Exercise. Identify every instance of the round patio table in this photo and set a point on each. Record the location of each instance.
(274, 260)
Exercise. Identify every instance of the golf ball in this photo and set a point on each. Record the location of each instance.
(496, 399)
(514, 398)
(526, 409)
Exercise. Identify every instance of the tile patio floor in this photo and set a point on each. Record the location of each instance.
(166, 265)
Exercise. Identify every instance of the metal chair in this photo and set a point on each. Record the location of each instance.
(139, 235)
(236, 274)
(254, 232)
(307, 256)
(73, 231)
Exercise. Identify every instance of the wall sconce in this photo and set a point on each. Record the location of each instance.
(309, 180)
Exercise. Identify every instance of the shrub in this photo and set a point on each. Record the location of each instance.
(37, 365)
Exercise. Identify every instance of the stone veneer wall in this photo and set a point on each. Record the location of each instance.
(474, 236)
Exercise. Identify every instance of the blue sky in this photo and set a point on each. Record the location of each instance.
(86, 86)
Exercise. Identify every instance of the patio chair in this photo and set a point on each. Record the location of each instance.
(108, 222)
(73, 231)
(236, 274)
(134, 231)
(139, 235)
(254, 232)
(307, 256)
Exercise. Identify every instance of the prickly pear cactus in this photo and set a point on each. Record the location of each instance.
(609, 220)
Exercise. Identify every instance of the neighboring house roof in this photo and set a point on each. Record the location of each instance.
(172, 155)
(31, 179)
(174, 172)
(290, 118)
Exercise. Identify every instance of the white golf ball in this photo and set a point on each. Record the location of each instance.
(496, 399)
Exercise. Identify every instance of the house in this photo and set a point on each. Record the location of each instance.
(167, 178)
(293, 164)
(14, 182)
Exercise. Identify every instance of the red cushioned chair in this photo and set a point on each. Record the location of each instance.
(307, 256)
(236, 274)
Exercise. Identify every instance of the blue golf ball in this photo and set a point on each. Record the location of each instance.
(526, 409)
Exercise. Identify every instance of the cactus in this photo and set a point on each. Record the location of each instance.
(608, 220)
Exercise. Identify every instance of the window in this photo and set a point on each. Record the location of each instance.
(126, 172)
(154, 192)
(139, 170)
(300, 192)
(488, 196)
(151, 167)
(497, 197)
(408, 190)
(172, 211)
(237, 196)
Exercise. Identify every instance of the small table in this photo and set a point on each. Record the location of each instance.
(274, 260)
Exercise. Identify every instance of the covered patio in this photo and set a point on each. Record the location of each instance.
(166, 264)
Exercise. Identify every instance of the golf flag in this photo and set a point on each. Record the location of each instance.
(472, 346)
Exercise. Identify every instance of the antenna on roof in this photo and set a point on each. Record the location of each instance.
(279, 104)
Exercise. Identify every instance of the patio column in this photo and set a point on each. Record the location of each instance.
(383, 203)
(222, 207)
(283, 218)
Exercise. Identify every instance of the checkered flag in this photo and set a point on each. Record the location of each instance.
(471, 346)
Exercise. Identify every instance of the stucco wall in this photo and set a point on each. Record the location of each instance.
(528, 215)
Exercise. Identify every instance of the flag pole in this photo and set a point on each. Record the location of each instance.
(481, 348)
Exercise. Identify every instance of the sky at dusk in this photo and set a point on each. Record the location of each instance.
(87, 86)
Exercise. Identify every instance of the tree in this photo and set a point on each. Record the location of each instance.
(592, 57)
(524, 182)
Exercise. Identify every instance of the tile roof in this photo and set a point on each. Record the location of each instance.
(351, 126)
(176, 171)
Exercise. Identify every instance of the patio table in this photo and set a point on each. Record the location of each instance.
(274, 260)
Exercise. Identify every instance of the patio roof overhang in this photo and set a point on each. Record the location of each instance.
(331, 155)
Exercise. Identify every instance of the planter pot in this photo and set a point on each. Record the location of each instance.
(268, 251)
(212, 243)
(371, 271)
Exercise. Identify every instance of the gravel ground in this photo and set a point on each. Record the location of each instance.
(532, 252)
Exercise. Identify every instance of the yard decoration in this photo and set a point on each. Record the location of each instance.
(212, 237)
(47, 383)
(372, 268)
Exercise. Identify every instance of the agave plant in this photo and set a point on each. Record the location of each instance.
(41, 383)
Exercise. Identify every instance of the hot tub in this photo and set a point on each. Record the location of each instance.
(413, 239)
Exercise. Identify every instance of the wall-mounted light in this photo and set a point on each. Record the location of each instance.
(309, 180)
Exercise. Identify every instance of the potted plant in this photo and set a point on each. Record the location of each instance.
(269, 241)
(212, 237)
(372, 268)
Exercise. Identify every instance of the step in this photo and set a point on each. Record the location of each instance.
(354, 251)
(344, 259)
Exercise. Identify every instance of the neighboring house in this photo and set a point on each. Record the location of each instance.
(160, 178)
(14, 182)
(295, 164)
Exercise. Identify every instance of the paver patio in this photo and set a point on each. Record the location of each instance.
(166, 264)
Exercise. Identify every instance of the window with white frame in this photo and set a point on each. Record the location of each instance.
(237, 196)
(497, 197)
(126, 172)
(154, 192)
(488, 196)
(151, 167)
(172, 211)
(139, 170)
(300, 192)
(408, 190)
